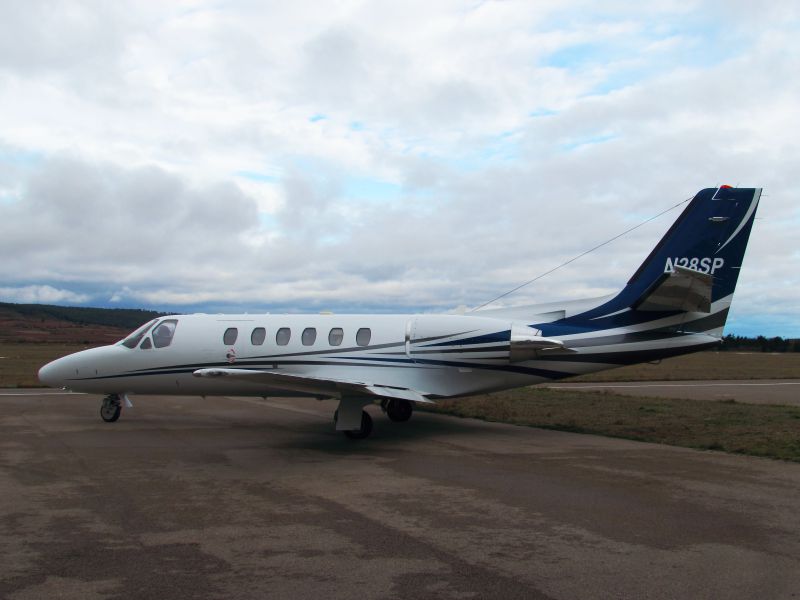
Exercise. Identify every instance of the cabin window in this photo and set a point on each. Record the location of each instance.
(146, 345)
(231, 333)
(363, 336)
(336, 336)
(133, 339)
(258, 336)
(283, 336)
(309, 336)
(163, 333)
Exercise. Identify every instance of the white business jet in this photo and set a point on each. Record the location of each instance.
(675, 303)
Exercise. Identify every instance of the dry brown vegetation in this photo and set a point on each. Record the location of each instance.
(20, 363)
(760, 430)
(33, 335)
(16, 328)
(708, 365)
(42, 323)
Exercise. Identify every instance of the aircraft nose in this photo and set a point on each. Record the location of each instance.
(51, 375)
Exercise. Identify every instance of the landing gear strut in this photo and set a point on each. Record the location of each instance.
(357, 434)
(110, 408)
(397, 410)
(351, 418)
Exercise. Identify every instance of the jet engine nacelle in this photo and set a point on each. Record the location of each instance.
(457, 340)
(527, 343)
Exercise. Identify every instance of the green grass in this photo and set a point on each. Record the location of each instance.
(20, 363)
(758, 430)
(708, 365)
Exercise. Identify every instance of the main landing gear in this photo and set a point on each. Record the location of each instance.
(352, 420)
(397, 410)
(364, 429)
(111, 408)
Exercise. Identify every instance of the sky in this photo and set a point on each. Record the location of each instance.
(386, 156)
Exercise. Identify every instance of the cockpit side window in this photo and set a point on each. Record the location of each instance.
(133, 339)
(146, 344)
(163, 333)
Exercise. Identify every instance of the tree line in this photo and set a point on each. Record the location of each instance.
(124, 318)
(739, 343)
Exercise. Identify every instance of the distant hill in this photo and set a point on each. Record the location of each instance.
(68, 324)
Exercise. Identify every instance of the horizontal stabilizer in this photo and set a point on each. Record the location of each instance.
(324, 386)
(682, 289)
(527, 343)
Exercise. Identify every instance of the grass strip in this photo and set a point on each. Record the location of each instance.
(754, 429)
(20, 363)
(707, 365)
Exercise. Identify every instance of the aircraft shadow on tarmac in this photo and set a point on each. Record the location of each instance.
(278, 430)
(320, 436)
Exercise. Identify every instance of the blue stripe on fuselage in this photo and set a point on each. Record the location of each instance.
(489, 338)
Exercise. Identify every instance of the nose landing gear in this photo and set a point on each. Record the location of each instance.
(111, 408)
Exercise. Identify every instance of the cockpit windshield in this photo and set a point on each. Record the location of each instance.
(133, 339)
(162, 334)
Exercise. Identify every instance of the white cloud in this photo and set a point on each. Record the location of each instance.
(202, 153)
(41, 294)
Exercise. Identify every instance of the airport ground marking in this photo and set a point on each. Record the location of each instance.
(576, 386)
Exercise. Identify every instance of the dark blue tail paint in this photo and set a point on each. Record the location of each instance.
(710, 236)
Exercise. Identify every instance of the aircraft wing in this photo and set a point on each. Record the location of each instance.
(328, 386)
(682, 289)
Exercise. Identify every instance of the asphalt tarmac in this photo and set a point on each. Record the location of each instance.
(761, 391)
(246, 498)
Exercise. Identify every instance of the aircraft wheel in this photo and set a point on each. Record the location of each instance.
(110, 409)
(366, 428)
(399, 411)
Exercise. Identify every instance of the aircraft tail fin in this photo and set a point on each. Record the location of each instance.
(682, 289)
(695, 266)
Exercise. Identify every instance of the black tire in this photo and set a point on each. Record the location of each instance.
(366, 428)
(110, 412)
(399, 411)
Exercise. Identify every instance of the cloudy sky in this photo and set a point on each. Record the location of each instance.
(386, 156)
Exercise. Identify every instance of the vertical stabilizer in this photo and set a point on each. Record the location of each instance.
(695, 266)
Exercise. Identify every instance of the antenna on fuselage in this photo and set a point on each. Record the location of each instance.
(581, 255)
